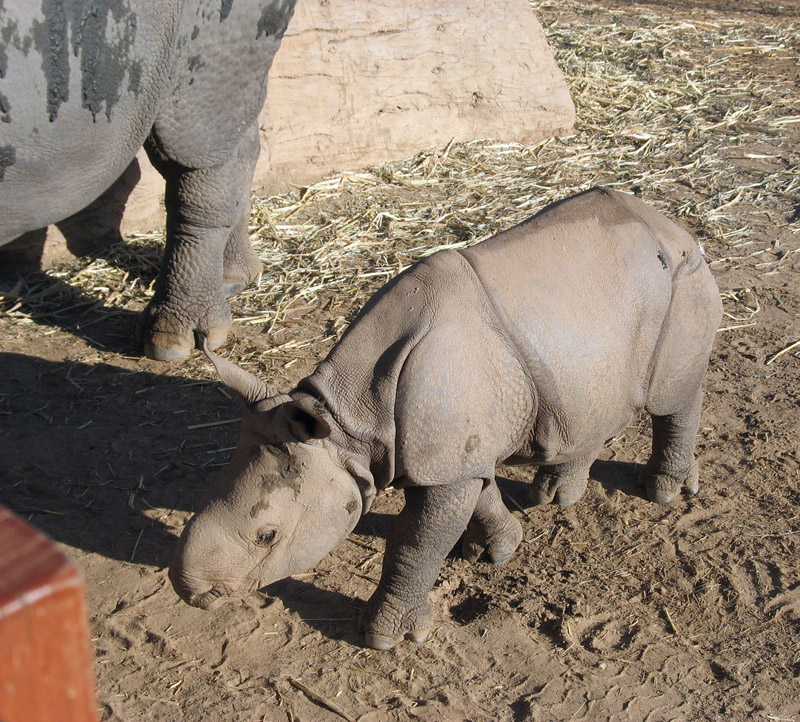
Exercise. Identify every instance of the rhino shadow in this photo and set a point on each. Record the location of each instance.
(622, 476)
(55, 304)
(99, 456)
(93, 232)
(333, 614)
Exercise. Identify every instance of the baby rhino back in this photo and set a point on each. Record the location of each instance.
(582, 290)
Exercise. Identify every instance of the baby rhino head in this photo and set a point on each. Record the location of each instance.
(285, 500)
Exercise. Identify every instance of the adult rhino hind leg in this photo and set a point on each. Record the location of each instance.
(562, 483)
(492, 528)
(430, 524)
(207, 212)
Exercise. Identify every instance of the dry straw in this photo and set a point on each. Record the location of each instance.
(698, 117)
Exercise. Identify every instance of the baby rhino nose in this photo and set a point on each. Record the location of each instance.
(187, 589)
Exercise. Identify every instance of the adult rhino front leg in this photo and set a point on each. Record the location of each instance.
(429, 526)
(207, 255)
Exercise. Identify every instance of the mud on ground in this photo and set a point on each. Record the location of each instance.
(615, 608)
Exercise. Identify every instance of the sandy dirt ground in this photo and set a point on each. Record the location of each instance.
(613, 609)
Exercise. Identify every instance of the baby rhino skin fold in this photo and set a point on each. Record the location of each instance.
(535, 346)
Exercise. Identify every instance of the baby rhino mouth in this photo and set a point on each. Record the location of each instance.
(211, 598)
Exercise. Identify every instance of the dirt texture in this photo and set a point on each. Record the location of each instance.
(613, 609)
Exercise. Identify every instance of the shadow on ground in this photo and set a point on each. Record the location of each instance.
(333, 614)
(95, 453)
(52, 302)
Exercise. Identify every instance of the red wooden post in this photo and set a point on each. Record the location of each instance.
(46, 657)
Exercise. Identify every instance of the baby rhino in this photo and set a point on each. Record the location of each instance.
(535, 346)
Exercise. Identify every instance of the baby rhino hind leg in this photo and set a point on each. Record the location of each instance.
(492, 527)
(562, 483)
(675, 396)
(672, 466)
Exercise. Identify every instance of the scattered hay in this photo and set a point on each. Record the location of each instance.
(699, 118)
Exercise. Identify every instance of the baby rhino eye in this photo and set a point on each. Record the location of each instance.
(265, 537)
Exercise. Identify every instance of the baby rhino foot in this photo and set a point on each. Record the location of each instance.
(564, 489)
(662, 488)
(500, 543)
(387, 619)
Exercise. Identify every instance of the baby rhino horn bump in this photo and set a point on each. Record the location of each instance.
(249, 388)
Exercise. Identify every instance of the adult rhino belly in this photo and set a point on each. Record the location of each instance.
(80, 90)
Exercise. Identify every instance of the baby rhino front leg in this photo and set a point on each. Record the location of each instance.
(425, 531)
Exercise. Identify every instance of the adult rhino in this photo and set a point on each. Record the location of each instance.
(85, 83)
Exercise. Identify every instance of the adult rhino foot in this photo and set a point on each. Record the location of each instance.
(499, 544)
(165, 339)
(662, 488)
(564, 490)
(375, 640)
(163, 346)
(387, 620)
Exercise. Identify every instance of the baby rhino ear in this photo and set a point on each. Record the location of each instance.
(307, 419)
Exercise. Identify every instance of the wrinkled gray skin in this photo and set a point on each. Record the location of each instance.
(536, 346)
(84, 83)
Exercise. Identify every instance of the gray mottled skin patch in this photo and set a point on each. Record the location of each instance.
(84, 28)
(195, 62)
(289, 472)
(274, 20)
(262, 505)
(5, 109)
(8, 157)
(473, 443)
(225, 9)
(104, 64)
(6, 33)
(50, 40)
(134, 77)
(9, 36)
(289, 476)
